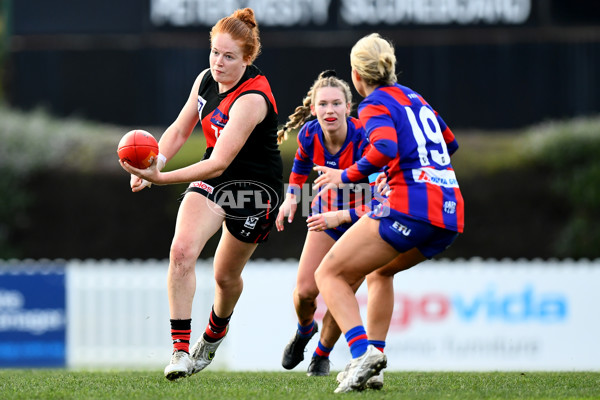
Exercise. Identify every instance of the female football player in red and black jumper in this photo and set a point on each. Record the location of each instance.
(234, 104)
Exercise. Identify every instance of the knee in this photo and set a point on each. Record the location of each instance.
(306, 292)
(381, 274)
(329, 272)
(183, 257)
(227, 280)
(378, 279)
(321, 275)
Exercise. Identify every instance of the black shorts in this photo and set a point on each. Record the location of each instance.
(250, 207)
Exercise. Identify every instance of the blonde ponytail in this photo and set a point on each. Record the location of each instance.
(374, 59)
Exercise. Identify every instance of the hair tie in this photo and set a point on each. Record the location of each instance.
(328, 73)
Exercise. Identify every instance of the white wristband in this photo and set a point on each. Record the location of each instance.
(161, 161)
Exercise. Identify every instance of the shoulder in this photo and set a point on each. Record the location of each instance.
(375, 98)
(399, 95)
(254, 82)
(202, 78)
(254, 79)
(356, 130)
(204, 75)
(252, 71)
(409, 91)
(371, 105)
(251, 99)
(354, 124)
(308, 132)
(250, 106)
(386, 100)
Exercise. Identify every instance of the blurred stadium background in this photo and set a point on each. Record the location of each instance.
(78, 74)
(493, 69)
(517, 81)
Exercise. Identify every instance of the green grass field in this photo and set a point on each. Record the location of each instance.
(63, 384)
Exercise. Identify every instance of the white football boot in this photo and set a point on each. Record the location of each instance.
(374, 382)
(361, 369)
(179, 367)
(203, 353)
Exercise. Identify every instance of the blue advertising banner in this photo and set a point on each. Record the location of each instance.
(32, 315)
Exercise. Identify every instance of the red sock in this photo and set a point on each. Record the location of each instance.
(216, 328)
(180, 333)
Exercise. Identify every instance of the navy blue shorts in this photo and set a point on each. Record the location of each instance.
(338, 231)
(403, 233)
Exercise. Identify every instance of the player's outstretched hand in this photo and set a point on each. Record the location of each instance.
(381, 184)
(138, 183)
(287, 209)
(327, 177)
(150, 174)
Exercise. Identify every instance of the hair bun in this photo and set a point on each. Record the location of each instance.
(246, 15)
(328, 73)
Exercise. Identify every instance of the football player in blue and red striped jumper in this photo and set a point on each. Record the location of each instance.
(425, 209)
(337, 140)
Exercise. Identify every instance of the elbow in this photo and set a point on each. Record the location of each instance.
(218, 168)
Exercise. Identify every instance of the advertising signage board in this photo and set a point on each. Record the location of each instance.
(32, 316)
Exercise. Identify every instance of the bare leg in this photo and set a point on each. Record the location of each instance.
(331, 331)
(316, 245)
(344, 267)
(230, 259)
(189, 240)
(380, 306)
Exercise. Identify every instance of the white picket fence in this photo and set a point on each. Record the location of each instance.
(118, 312)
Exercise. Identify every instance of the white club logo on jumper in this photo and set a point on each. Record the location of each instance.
(201, 103)
(450, 207)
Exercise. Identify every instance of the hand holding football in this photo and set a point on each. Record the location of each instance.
(138, 148)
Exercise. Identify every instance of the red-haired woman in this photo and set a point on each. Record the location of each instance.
(235, 106)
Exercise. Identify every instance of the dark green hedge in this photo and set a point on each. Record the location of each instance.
(532, 193)
(570, 152)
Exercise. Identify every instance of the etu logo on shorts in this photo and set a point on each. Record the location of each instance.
(398, 227)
